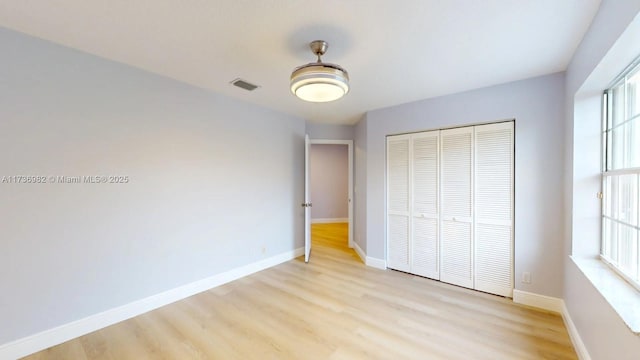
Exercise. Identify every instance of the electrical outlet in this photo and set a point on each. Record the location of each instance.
(526, 277)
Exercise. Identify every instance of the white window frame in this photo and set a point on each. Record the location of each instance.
(609, 173)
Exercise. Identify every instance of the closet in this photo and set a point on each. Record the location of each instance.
(450, 205)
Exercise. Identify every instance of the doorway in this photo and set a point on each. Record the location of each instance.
(331, 185)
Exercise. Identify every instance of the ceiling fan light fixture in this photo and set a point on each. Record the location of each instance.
(319, 82)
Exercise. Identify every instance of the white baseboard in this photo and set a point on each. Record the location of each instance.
(540, 301)
(329, 220)
(556, 305)
(40, 341)
(368, 260)
(581, 350)
(360, 253)
(376, 263)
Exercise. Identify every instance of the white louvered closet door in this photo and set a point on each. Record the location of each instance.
(456, 197)
(494, 158)
(425, 212)
(398, 202)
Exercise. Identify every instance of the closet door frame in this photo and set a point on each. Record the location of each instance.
(441, 216)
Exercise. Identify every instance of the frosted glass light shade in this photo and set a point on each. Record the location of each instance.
(319, 82)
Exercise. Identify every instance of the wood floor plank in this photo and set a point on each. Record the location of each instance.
(334, 307)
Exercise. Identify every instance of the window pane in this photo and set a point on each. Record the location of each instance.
(617, 105)
(605, 107)
(609, 159)
(613, 241)
(627, 207)
(611, 196)
(633, 97)
(617, 148)
(606, 238)
(628, 261)
(629, 145)
(606, 195)
(633, 143)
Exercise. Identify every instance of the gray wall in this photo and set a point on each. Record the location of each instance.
(330, 131)
(603, 332)
(329, 180)
(538, 106)
(194, 160)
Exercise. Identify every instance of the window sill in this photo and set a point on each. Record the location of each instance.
(622, 297)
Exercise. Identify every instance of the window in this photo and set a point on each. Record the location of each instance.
(620, 246)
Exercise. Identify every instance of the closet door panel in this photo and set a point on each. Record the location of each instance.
(493, 259)
(425, 173)
(425, 248)
(425, 209)
(398, 231)
(456, 252)
(398, 242)
(494, 157)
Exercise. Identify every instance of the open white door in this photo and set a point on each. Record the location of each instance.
(307, 202)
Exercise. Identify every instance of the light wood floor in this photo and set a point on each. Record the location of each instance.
(332, 308)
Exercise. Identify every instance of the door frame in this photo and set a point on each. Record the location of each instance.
(349, 144)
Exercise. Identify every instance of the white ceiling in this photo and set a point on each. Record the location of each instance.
(395, 51)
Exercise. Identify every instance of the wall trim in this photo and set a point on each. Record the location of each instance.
(329, 220)
(576, 340)
(51, 337)
(376, 263)
(556, 305)
(539, 301)
(360, 252)
(368, 260)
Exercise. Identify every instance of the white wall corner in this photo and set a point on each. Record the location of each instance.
(376, 263)
(51, 337)
(556, 305)
(369, 261)
(578, 345)
(360, 252)
(539, 301)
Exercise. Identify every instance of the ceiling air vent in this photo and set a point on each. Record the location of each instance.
(244, 84)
